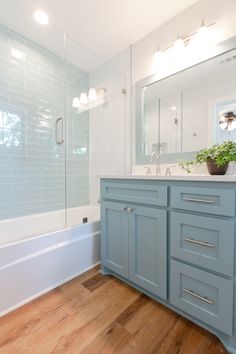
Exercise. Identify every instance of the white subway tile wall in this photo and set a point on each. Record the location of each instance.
(36, 88)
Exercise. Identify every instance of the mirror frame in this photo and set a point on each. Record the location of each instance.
(140, 158)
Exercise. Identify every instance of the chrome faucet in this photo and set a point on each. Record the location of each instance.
(148, 172)
(157, 158)
(168, 171)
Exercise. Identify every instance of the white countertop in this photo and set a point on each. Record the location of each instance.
(198, 178)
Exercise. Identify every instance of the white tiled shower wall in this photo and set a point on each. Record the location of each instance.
(37, 87)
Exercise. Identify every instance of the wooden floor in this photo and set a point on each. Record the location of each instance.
(96, 314)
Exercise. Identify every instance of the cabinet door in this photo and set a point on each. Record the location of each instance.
(114, 237)
(148, 249)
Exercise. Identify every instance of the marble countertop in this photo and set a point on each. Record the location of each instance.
(199, 178)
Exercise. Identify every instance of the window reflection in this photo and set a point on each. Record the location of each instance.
(10, 129)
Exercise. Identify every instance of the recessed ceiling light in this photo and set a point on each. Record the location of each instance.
(41, 17)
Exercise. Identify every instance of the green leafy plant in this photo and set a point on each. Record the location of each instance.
(221, 154)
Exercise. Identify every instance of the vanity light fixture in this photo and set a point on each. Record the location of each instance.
(91, 99)
(199, 38)
(228, 121)
(41, 17)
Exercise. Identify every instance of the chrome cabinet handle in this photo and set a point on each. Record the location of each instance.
(198, 200)
(202, 243)
(59, 141)
(191, 292)
(130, 210)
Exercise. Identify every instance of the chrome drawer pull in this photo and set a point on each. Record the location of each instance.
(205, 299)
(198, 200)
(202, 243)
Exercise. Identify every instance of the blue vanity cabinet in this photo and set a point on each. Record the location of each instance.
(134, 235)
(175, 241)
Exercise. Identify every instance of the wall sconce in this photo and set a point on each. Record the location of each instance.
(228, 121)
(91, 99)
(198, 39)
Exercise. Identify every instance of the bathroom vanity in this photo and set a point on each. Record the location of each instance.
(173, 238)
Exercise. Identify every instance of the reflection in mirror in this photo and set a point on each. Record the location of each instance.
(187, 111)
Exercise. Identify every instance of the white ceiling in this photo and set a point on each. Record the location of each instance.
(106, 27)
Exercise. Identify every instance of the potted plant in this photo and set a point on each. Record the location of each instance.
(216, 157)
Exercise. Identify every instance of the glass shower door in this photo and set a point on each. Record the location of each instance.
(32, 113)
(77, 132)
(96, 105)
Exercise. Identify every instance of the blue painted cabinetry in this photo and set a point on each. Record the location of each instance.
(175, 241)
(134, 242)
(148, 249)
(115, 242)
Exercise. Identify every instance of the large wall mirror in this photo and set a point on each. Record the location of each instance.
(187, 111)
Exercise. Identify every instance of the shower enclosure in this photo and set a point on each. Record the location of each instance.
(45, 145)
(49, 153)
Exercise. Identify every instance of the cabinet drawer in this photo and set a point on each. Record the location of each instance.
(138, 193)
(206, 200)
(205, 296)
(204, 241)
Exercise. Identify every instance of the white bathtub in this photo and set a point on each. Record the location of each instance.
(32, 265)
(16, 229)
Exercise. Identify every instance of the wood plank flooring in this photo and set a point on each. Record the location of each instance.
(96, 314)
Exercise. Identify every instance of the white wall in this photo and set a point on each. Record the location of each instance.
(218, 11)
(110, 129)
(110, 125)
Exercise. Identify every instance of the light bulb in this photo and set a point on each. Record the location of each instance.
(178, 57)
(201, 42)
(76, 102)
(203, 32)
(92, 94)
(83, 98)
(41, 17)
(179, 45)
